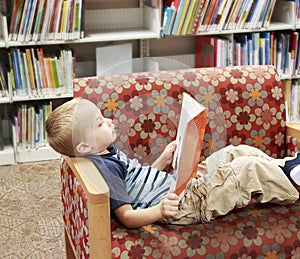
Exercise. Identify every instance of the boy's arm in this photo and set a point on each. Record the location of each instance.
(131, 218)
(166, 157)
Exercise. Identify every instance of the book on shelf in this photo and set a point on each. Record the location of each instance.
(216, 16)
(192, 9)
(208, 15)
(200, 16)
(39, 18)
(168, 19)
(189, 138)
(4, 92)
(295, 101)
(180, 15)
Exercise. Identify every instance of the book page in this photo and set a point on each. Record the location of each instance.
(191, 129)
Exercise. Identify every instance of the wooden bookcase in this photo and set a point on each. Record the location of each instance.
(109, 22)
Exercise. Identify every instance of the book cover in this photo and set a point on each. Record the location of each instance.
(249, 20)
(235, 15)
(183, 16)
(38, 21)
(190, 134)
(26, 77)
(17, 71)
(178, 17)
(42, 65)
(225, 15)
(53, 19)
(17, 21)
(244, 15)
(200, 15)
(57, 21)
(232, 13)
(24, 20)
(76, 22)
(191, 12)
(47, 20)
(209, 14)
(64, 19)
(263, 14)
(49, 72)
(15, 6)
(30, 69)
(36, 70)
(269, 14)
(32, 17)
(194, 17)
(11, 75)
(267, 50)
(216, 15)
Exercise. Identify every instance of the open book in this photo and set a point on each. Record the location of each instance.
(190, 133)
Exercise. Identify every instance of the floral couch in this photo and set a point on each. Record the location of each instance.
(245, 105)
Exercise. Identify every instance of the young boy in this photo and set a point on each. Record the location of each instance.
(141, 195)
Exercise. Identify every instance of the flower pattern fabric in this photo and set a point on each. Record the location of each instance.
(245, 106)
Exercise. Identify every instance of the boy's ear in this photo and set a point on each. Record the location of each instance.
(83, 148)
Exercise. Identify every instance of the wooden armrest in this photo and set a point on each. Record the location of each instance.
(93, 184)
(97, 193)
(293, 129)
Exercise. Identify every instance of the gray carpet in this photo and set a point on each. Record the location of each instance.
(30, 211)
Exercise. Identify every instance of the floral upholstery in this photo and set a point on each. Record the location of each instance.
(245, 105)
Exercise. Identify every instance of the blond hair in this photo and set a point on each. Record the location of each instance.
(60, 128)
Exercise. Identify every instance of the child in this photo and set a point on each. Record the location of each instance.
(141, 195)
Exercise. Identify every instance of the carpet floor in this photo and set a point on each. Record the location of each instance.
(30, 211)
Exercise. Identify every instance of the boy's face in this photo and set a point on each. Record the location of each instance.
(96, 132)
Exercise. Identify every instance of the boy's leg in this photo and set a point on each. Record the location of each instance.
(292, 169)
(233, 185)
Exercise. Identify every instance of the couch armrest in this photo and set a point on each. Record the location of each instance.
(293, 129)
(97, 194)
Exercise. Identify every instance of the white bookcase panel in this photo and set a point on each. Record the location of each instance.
(40, 154)
(7, 155)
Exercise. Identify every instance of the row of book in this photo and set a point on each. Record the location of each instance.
(181, 17)
(34, 20)
(280, 49)
(31, 73)
(292, 99)
(29, 125)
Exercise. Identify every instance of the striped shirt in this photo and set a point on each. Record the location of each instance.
(130, 182)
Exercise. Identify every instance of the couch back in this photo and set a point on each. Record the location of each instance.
(245, 106)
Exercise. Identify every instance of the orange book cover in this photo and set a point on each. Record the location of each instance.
(210, 12)
(190, 134)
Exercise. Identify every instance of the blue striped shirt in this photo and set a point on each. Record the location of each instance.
(130, 182)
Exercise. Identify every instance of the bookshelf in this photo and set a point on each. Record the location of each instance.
(139, 22)
(82, 26)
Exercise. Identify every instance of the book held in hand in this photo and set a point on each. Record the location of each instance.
(190, 134)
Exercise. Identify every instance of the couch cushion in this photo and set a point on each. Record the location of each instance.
(245, 105)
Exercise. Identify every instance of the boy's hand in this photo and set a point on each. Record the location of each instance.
(169, 205)
(166, 156)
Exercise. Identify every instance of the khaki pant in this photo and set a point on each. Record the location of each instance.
(228, 179)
